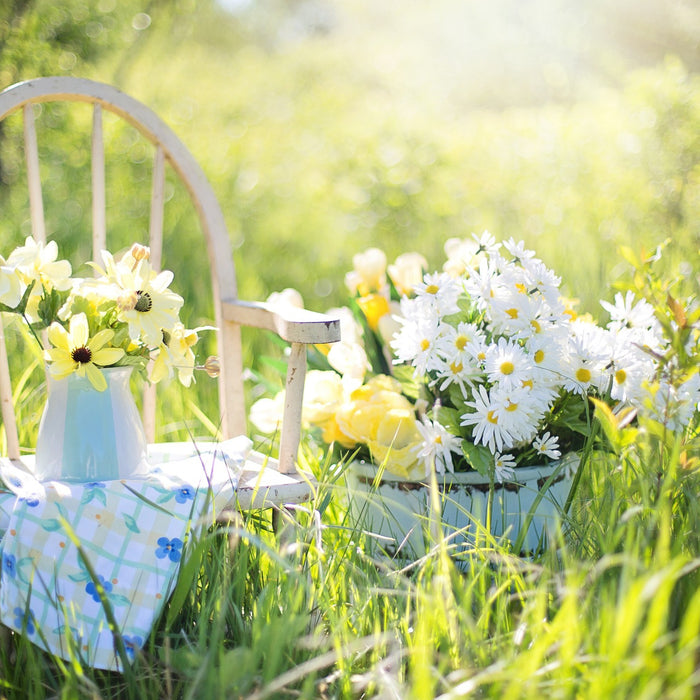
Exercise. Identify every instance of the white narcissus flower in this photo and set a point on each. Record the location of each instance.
(36, 261)
(350, 359)
(11, 287)
(407, 271)
(324, 392)
(145, 302)
(75, 351)
(286, 299)
(266, 414)
(369, 272)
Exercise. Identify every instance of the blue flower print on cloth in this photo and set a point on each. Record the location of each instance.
(132, 537)
(9, 565)
(184, 494)
(169, 548)
(24, 620)
(93, 590)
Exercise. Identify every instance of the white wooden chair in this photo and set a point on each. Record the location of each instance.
(265, 482)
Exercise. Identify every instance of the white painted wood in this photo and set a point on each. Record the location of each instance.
(298, 327)
(31, 150)
(155, 234)
(6, 405)
(155, 243)
(99, 223)
(291, 324)
(293, 397)
(263, 485)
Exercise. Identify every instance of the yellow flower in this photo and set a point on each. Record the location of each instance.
(382, 418)
(374, 307)
(175, 352)
(75, 351)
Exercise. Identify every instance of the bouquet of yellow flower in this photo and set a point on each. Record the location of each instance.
(483, 365)
(125, 316)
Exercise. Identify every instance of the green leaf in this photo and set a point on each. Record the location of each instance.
(93, 494)
(131, 523)
(449, 419)
(117, 599)
(82, 576)
(22, 306)
(608, 422)
(479, 457)
(51, 525)
(49, 305)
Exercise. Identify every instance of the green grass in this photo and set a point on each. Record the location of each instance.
(302, 148)
(612, 611)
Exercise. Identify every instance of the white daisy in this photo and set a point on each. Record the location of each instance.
(440, 291)
(504, 467)
(628, 313)
(507, 363)
(547, 445)
(487, 428)
(415, 343)
(438, 446)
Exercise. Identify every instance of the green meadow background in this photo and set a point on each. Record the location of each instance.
(326, 127)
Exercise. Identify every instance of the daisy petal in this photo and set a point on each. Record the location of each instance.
(79, 331)
(100, 339)
(107, 356)
(94, 374)
(59, 337)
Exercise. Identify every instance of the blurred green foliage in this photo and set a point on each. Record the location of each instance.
(319, 148)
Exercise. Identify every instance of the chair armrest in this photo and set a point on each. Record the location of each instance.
(291, 324)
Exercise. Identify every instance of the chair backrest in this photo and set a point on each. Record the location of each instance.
(168, 149)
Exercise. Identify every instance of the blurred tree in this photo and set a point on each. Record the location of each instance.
(49, 37)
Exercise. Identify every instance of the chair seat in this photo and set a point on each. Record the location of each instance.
(260, 484)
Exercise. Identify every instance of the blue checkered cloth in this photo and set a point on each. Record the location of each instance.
(132, 537)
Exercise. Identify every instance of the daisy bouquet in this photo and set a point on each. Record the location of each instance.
(125, 315)
(483, 365)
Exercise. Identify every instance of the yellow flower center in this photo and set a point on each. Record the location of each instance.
(461, 342)
(432, 289)
(507, 367)
(424, 344)
(528, 383)
(539, 356)
(456, 367)
(513, 313)
(620, 376)
(536, 325)
(511, 407)
(481, 356)
(583, 375)
(491, 417)
(438, 440)
(521, 288)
